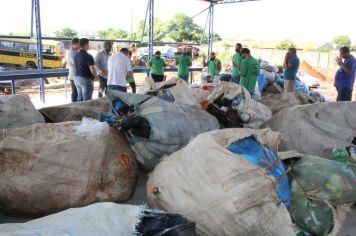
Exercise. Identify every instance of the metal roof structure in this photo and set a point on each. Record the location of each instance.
(36, 22)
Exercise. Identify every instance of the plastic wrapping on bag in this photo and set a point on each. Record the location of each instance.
(156, 128)
(317, 185)
(262, 156)
(232, 105)
(104, 219)
(91, 129)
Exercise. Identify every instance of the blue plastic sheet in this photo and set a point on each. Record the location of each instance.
(253, 152)
(299, 86)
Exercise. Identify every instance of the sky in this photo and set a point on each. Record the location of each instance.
(316, 21)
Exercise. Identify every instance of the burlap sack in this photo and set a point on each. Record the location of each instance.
(180, 90)
(257, 112)
(75, 111)
(219, 190)
(18, 111)
(285, 100)
(46, 168)
(316, 129)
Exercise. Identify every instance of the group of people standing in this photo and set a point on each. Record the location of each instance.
(113, 71)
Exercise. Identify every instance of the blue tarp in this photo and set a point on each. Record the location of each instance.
(262, 82)
(299, 86)
(253, 152)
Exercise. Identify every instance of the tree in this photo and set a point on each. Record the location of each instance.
(66, 32)
(19, 33)
(159, 28)
(216, 38)
(111, 33)
(353, 48)
(285, 44)
(187, 30)
(342, 41)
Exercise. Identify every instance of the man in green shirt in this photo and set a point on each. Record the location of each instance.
(157, 65)
(131, 79)
(236, 62)
(183, 62)
(249, 70)
(214, 65)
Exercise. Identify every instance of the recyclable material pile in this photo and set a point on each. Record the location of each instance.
(218, 162)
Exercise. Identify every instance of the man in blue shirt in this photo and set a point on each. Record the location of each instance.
(291, 66)
(345, 75)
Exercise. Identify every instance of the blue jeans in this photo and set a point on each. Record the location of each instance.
(74, 94)
(117, 88)
(235, 79)
(344, 94)
(85, 88)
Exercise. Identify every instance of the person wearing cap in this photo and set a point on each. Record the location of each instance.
(249, 70)
(214, 65)
(157, 65)
(101, 63)
(183, 61)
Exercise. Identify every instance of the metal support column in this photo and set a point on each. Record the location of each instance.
(151, 28)
(39, 46)
(211, 29)
(32, 14)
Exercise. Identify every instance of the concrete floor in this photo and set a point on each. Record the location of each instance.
(140, 198)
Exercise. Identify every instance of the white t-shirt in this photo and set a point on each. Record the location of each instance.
(118, 66)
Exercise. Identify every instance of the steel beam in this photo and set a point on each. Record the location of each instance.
(211, 29)
(228, 1)
(39, 46)
(151, 28)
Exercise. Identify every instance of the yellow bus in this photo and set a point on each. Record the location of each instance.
(23, 52)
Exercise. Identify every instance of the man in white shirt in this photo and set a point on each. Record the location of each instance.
(119, 67)
(101, 63)
(69, 62)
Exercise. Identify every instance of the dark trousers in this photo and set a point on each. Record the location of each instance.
(102, 86)
(344, 94)
(74, 94)
(133, 87)
(157, 78)
(117, 88)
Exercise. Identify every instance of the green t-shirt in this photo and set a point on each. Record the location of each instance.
(250, 69)
(237, 59)
(157, 66)
(212, 67)
(132, 78)
(183, 65)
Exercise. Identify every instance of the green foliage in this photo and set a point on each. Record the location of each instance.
(323, 49)
(342, 41)
(66, 32)
(187, 30)
(159, 28)
(226, 45)
(19, 33)
(216, 38)
(353, 48)
(111, 33)
(285, 44)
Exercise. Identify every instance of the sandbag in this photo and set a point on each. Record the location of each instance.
(317, 128)
(75, 111)
(173, 90)
(232, 105)
(322, 190)
(156, 128)
(46, 168)
(104, 219)
(18, 111)
(285, 100)
(223, 192)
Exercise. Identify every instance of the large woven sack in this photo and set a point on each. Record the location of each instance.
(75, 111)
(103, 219)
(46, 168)
(249, 113)
(18, 111)
(157, 128)
(219, 190)
(316, 129)
(285, 100)
(177, 87)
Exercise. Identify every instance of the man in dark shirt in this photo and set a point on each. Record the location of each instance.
(85, 71)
